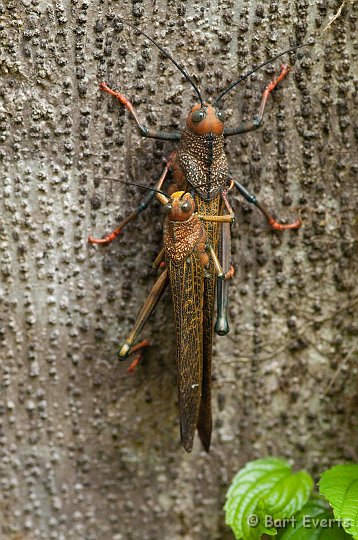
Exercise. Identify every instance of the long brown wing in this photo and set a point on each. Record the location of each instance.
(187, 283)
(214, 207)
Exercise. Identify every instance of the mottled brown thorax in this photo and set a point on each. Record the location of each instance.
(203, 162)
(181, 238)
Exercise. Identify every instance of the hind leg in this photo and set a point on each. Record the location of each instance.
(150, 304)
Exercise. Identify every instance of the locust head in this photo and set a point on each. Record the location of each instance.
(180, 207)
(204, 118)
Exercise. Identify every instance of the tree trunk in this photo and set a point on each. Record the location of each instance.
(87, 450)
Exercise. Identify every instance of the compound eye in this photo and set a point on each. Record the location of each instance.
(198, 116)
(220, 115)
(186, 206)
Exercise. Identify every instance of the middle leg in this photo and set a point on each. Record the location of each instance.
(142, 206)
(270, 220)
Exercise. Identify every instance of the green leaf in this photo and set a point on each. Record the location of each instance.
(340, 487)
(289, 495)
(264, 490)
(314, 522)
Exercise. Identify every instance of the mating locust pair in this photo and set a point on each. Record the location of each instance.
(196, 252)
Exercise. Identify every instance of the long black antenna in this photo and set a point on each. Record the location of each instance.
(232, 85)
(134, 184)
(183, 70)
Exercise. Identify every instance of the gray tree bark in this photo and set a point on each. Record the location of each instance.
(88, 451)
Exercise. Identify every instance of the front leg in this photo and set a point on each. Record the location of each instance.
(144, 131)
(256, 122)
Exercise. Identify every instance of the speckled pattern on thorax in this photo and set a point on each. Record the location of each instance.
(203, 161)
(180, 238)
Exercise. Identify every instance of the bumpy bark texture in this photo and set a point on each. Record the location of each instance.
(88, 451)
